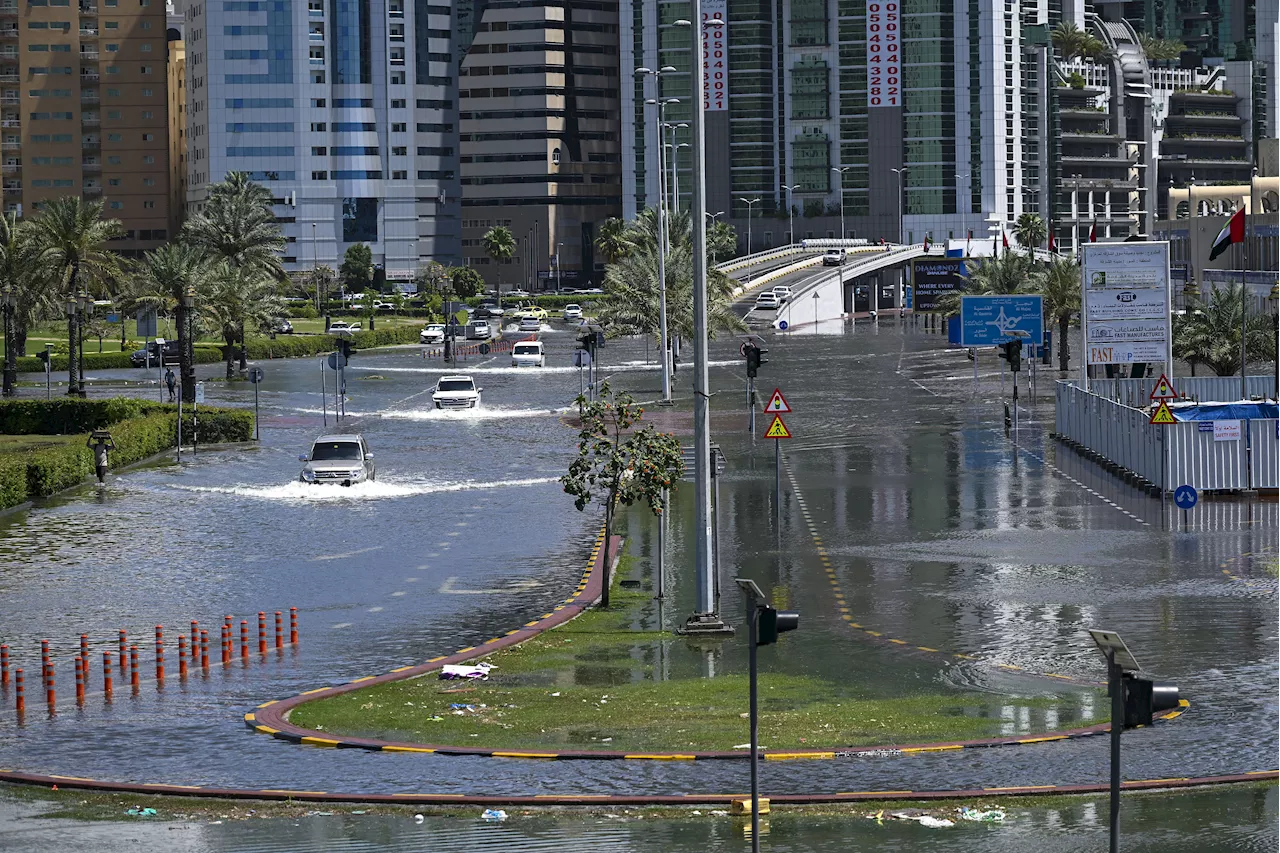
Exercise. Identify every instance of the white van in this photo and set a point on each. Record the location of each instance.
(527, 354)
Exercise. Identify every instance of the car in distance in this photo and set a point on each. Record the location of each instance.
(528, 354)
(535, 311)
(456, 392)
(281, 326)
(530, 324)
(782, 292)
(169, 350)
(488, 309)
(343, 459)
(479, 330)
(342, 327)
(833, 257)
(767, 301)
(572, 311)
(432, 334)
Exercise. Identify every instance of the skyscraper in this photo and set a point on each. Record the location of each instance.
(346, 109)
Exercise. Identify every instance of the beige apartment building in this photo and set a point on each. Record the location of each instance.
(83, 110)
(539, 151)
(177, 96)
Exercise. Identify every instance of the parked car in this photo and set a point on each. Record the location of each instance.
(489, 309)
(456, 392)
(767, 301)
(341, 459)
(518, 294)
(833, 257)
(478, 330)
(282, 326)
(530, 324)
(169, 350)
(432, 334)
(782, 292)
(528, 354)
(572, 311)
(342, 326)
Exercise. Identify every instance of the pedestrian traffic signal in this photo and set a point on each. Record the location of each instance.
(755, 358)
(43, 355)
(774, 622)
(1011, 351)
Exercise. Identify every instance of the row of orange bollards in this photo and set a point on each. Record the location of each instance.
(129, 658)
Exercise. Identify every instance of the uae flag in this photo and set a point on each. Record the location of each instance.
(926, 244)
(1093, 232)
(1232, 232)
(1053, 244)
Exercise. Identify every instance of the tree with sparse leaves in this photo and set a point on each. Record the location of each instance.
(619, 465)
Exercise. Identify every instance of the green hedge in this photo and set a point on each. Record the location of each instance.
(69, 415)
(293, 346)
(151, 429)
(204, 354)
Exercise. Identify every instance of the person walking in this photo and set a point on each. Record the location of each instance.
(172, 382)
(100, 442)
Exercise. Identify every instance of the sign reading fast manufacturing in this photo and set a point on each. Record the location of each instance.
(1126, 303)
(715, 56)
(884, 65)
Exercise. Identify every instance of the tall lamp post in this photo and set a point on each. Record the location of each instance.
(750, 203)
(186, 356)
(663, 343)
(10, 352)
(791, 212)
(902, 234)
(840, 170)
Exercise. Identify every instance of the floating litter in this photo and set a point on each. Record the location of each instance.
(493, 815)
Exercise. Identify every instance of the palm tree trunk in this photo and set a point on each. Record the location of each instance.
(244, 364)
(1064, 352)
(229, 352)
(73, 333)
(186, 369)
(606, 563)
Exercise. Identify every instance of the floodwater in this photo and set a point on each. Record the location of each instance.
(941, 533)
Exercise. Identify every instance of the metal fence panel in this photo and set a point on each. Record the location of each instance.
(1264, 443)
(1221, 389)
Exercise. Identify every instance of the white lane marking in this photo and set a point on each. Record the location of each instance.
(326, 557)
(519, 586)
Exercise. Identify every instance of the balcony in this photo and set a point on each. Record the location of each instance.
(90, 144)
(13, 123)
(13, 189)
(91, 120)
(88, 76)
(91, 166)
(88, 32)
(9, 32)
(89, 98)
(9, 54)
(10, 101)
(11, 168)
(10, 146)
(8, 10)
(9, 75)
(88, 7)
(88, 56)
(92, 189)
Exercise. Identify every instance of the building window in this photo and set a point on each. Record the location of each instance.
(145, 48)
(147, 93)
(114, 137)
(113, 161)
(148, 182)
(148, 114)
(113, 93)
(400, 176)
(117, 205)
(317, 102)
(397, 103)
(319, 151)
(319, 176)
(319, 126)
(112, 48)
(146, 69)
(400, 151)
(359, 220)
(149, 205)
(113, 182)
(113, 114)
(398, 127)
(148, 159)
(148, 137)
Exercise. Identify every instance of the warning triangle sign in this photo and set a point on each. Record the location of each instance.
(1163, 390)
(777, 403)
(1163, 414)
(777, 429)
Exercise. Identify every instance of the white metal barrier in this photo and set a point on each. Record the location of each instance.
(1220, 389)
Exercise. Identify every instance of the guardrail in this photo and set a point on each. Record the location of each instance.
(1221, 389)
(1122, 438)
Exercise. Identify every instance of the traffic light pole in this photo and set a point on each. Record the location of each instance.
(753, 635)
(1115, 683)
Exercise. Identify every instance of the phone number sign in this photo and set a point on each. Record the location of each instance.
(715, 53)
(884, 66)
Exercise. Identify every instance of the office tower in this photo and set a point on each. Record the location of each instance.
(345, 109)
(538, 101)
(82, 89)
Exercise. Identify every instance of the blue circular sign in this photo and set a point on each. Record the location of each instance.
(1185, 497)
(782, 325)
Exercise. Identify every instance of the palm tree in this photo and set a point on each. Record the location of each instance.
(238, 226)
(1003, 275)
(1060, 288)
(1209, 333)
(235, 298)
(612, 240)
(1030, 231)
(71, 237)
(322, 278)
(499, 244)
(1070, 41)
(22, 278)
(168, 274)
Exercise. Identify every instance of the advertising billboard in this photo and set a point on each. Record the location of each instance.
(934, 278)
(1126, 302)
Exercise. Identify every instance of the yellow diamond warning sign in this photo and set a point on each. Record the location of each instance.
(777, 429)
(777, 403)
(1162, 415)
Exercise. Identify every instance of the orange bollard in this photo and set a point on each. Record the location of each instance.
(134, 678)
(124, 653)
(44, 663)
(195, 638)
(4, 664)
(279, 630)
(106, 674)
(182, 657)
(160, 653)
(84, 658)
(20, 704)
(230, 623)
(204, 650)
(50, 694)
(293, 625)
(79, 681)
(244, 640)
(262, 633)
(226, 642)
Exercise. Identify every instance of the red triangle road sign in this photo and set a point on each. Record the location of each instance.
(1163, 390)
(777, 403)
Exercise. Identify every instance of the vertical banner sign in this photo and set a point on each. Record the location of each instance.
(715, 53)
(884, 79)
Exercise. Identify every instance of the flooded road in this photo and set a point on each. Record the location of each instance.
(940, 531)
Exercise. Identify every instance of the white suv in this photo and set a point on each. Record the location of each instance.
(528, 354)
(456, 392)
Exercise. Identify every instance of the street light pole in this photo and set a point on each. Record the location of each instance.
(750, 203)
(663, 342)
(791, 212)
(902, 236)
(841, 170)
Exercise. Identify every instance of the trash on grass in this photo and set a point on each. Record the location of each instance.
(142, 812)
(455, 671)
(496, 815)
(924, 820)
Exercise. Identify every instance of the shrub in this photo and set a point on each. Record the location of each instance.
(55, 468)
(295, 346)
(204, 354)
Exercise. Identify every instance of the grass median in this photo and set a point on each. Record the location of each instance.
(596, 683)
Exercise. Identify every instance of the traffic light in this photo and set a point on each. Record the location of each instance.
(43, 355)
(755, 358)
(344, 347)
(1143, 698)
(774, 622)
(1011, 351)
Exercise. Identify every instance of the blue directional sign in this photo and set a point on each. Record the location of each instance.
(782, 325)
(989, 320)
(1185, 497)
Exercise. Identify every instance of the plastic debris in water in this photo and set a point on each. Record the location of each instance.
(989, 816)
(496, 815)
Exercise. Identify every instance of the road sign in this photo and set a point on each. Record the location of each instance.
(777, 429)
(336, 360)
(255, 375)
(989, 320)
(777, 403)
(1163, 390)
(581, 358)
(782, 325)
(1163, 414)
(199, 392)
(1185, 497)
(484, 349)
